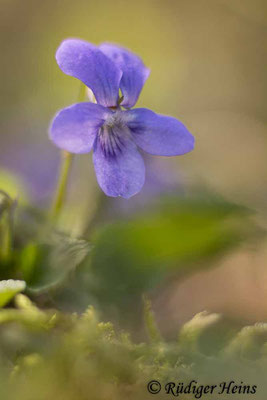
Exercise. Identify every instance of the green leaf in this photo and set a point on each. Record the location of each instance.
(47, 265)
(206, 333)
(5, 202)
(8, 289)
(14, 186)
(135, 255)
(249, 342)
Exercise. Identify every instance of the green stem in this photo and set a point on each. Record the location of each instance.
(7, 213)
(7, 237)
(62, 184)
(66, 162)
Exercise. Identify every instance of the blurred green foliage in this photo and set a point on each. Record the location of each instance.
(8, 289)
(46, 264)
(48, 354)
(123, 259)
(174, 238)
(50, 349)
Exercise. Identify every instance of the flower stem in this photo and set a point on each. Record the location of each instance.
(62, 183)
(8, 207)
(7, 238)
(66, 161)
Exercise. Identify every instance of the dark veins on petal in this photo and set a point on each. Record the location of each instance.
(111, 140)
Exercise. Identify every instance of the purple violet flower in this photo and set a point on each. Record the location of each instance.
(114, 134)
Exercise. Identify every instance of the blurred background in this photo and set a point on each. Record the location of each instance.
(208, 62)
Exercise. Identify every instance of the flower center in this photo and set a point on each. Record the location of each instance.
(116, 118)
(112, 135)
